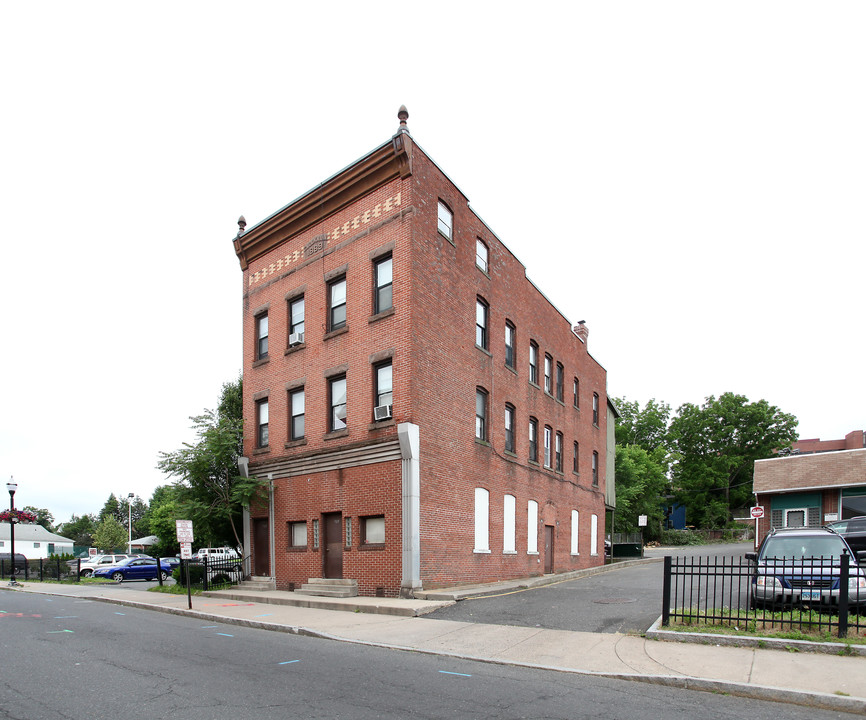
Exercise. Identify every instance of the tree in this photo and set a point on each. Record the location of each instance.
(163, 509)
(43, 517)
(716, 447)
(109, 534)
(640, 489)
(79, 530)
(646, 428)
(210, 489)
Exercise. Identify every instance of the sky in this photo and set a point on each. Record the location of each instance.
(687, 177)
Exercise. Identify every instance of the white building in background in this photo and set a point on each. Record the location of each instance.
(33, 541)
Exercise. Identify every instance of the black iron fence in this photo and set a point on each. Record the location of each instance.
(208, 574)
(807, 595)
(39, 569)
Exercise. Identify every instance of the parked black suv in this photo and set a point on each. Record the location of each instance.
(802, 566)
(854, 531)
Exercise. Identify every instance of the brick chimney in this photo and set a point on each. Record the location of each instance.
(581, 330)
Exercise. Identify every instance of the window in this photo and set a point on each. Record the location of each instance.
(337, 304)
(384, 385)
(533, 440)
(446, 221)
(595, 468)
(261, 336)
(532, 527)
(509, 344)
(576, 393)
(576, 458)
(481, 323)
(558, 452)
(509, 428)
(337, 388)
(575, 528)
(384, 299)
(480, 414)
(533, 362)
(296, 407)
(373, 530)
(315, 534)
(481, 254)
(509, 542)
(262, 423)
(595, 408)
(560, 382)
(296, 317)
(298, 534)
(482, 518)
(593, 535)
(348, 532)
(548, 369)
(548, 436)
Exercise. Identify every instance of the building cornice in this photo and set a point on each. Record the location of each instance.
(385, 163)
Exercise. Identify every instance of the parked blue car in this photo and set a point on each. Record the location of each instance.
(137, 568)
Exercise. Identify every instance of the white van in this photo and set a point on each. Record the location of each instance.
(217, 553)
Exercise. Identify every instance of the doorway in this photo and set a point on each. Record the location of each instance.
(332, 524)
(261, 547)
(548, 549)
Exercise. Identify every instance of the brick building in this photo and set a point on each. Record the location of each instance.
(425, 415)
(816, 482)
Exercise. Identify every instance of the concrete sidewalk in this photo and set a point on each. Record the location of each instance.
(829, 681)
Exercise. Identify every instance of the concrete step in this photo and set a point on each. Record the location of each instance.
(258, 584)
(329, 587)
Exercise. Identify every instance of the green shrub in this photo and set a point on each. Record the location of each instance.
(682, 537)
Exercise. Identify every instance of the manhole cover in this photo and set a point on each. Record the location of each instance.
(615, 601)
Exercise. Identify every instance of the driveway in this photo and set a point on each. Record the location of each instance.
(623, 600)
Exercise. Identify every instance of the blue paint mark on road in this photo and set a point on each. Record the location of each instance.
(265, 615)
(225, 634)
(119, 613)
(51, 632)
(445, 672)
(208, 627)
(289, 662)
(64, 617)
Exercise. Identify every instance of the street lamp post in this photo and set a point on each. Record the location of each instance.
(12, 486)
(129, 505)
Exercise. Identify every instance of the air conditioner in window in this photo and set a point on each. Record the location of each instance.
(382, 412)
(296, 338)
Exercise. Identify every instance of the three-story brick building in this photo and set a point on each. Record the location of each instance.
(425, 415)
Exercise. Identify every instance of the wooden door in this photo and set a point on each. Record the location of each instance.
(261, 547)
(332, 542)
(548, 549)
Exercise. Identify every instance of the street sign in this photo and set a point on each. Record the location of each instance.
(757, 511)
(184, 531)
(186, 551)
(641, 520)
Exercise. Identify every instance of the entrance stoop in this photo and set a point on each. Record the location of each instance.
(329, 587)
(258, 584)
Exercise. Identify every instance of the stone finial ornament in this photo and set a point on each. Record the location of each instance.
(403, 116)
(242, 225)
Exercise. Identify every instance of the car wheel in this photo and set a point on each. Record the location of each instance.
(164, 575)
(117, 577)
(86, 573)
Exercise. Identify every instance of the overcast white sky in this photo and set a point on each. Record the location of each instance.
(687, 177)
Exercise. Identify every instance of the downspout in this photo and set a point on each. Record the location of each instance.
(409, 436)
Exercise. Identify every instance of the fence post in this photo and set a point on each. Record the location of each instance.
(844, 572)
(666, 592)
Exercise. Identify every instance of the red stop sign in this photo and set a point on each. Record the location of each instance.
(758, 511)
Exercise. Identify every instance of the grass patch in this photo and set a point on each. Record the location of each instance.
(790, 625)
(174, 590)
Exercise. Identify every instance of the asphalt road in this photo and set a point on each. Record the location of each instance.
(69, 659)
(627, 599)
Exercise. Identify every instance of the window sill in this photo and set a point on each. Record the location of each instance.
(449, 239)
(510, 453)
(295, 348)
(382, 315)
(261, 361)
(334, 434)
(479, 441)
(334, 333)
(261, 451)
(511, 368)
(481, 552)
(509, 552)
(372, 546)
(533, 462)
(484, 350)
(532, 552)
(295, 443)
(482, 271)
(535, 385)
(559, 401)
(379, 424)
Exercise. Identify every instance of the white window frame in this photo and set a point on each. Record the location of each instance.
(481, 254)
(445, 221)
(509, 525)
(593, 535)
(482, 520)
(532, 528)
(575, 532)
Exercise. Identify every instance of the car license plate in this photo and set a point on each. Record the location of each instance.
(810, 595)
